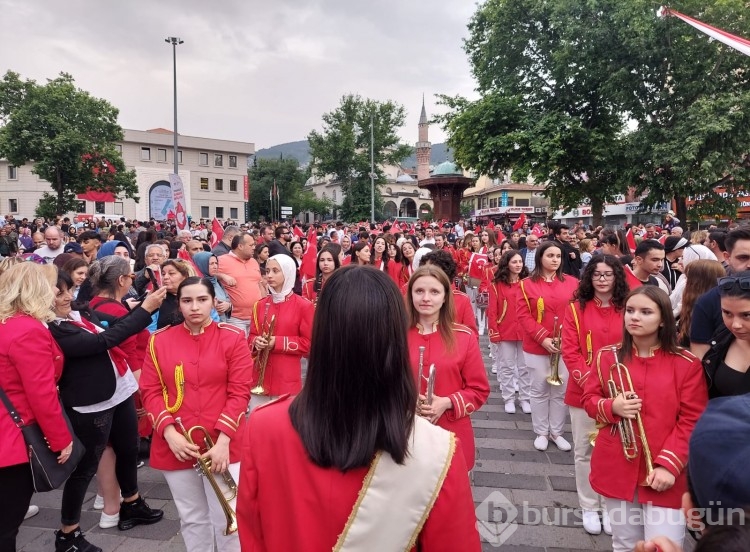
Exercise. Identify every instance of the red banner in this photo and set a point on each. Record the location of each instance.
(247, 187)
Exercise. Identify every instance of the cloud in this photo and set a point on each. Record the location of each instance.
(262, 72)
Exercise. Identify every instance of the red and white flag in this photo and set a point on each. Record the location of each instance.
(395, 226)
(520, 221)
(537, 231)
(217, 232)
(631, 239)
(309, 257)
(737, 42)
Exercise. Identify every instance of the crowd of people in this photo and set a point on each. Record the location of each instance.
(190, 346)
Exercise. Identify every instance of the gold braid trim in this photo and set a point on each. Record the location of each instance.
(179, 380)
(360, 498)
(589, 349)
(539, 310)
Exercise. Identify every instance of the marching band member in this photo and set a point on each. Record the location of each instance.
(592, 321)
(328, 261)
(505, 332)
(407, 258)
(544, 296)
(463, 314)
(350, 440)
(198, 374)
(289, 339)
(662, 393)
(461, 385)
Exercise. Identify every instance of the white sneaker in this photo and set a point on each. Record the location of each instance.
(591, 523)
(541, 442)
(510, 407)
(606, 525)
(494, 370)
(515, 386)
(99, 502)
(32, 511)
(561, 443)
(107, 521)
(526, 407)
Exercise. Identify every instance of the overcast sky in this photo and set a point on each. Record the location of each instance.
(261, 72)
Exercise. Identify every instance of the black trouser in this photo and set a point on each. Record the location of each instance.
(16, 488)
(118, 427)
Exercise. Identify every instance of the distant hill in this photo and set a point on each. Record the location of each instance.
(300, 151)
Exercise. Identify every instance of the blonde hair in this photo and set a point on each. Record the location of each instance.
(28, 288)
(698, 237)
(8, 262)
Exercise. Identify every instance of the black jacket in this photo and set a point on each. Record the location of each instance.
(571, 265)
(88, 377)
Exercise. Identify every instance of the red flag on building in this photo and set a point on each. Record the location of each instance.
(217, 232)
(520, 221)
(309, 257)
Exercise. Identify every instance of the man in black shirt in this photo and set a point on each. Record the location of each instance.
(571, 257)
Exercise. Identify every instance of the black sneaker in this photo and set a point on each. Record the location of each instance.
(137, 513)
(73, 542)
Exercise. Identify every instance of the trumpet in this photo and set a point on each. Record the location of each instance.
(261, 361)
(203, 467)
(554, 360)
(625, 426)
(430, 384)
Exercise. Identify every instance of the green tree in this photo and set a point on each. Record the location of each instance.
(69, 136)
(547, 106)
(342, 150)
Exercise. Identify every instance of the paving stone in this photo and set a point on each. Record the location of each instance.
(486, 453)
(556, 457)
(162, 531)
(482, 432)
(557, 499)
(563, 483)
(49, 518)
(528, 468)
(510, 481)
(156, 490)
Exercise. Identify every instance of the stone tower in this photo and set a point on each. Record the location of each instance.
(424, 148)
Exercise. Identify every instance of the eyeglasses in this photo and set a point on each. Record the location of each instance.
(603, 275)
(728, 282)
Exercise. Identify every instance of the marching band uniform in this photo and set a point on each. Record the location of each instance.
(506, 341)
(538, 304)
(275, 466)
(308, 291)
(674, 395)
(459, 375)
(585, 332)
(464, 312)
(216, 367)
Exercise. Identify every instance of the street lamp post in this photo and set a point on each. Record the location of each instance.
(372, 169)
(174, 41)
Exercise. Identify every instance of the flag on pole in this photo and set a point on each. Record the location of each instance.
(520, 221)
(737, 42)
(537, 231)
(631, 239)
(395, 226)
(309, 257)
(217, 232)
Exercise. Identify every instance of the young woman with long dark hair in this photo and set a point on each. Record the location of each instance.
(328, 262)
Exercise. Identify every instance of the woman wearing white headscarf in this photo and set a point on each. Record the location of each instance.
(280, 331)
(692, 252)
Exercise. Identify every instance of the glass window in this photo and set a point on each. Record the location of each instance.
(204, 211)
(218, 160)
(233, 213)
(232, 185)
(12, 172)
(219, 185)
(118, 207)
(161, 155)
(204, 183)
(220, 212)
(179, 157)
(99, 207)
(81, 207)
(12, 205)
(333, 193)
(145, 154)
(203, 158)
(522, 202)
(118, 147)
(232, 161)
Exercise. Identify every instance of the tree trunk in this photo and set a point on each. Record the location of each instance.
(60, 207)
(597, 212)
(681, 211)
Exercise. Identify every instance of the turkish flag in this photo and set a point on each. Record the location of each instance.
(395, 227)
(631, 240)
(520, 221)
(537, 231)
(217, 232)
(309, 257)
(476, 265)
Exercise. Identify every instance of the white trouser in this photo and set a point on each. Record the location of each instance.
(201, 518)
(481, 315)
(632, 522)
(548, 409)
(240, 323)
(258, 400)
(582, 426)
(510, 363)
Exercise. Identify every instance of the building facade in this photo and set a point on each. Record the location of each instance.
(213, 171)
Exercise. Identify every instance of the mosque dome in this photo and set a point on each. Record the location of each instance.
(404, 178)
(447, 168)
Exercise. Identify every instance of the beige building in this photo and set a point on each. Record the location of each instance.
(501, 198)
(214, 174)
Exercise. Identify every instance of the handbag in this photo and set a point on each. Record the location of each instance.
(47, 474)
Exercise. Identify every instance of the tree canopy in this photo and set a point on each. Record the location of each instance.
(342, 150)
(69, 135)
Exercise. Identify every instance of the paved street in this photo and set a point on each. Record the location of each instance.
(539, 485)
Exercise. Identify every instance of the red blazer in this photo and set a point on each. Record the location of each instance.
(30, 365)
(404, 273)
(488, 274)
(394, 271)
(674, 395)
(308, 291)
(459, 374)
(502, 319)
(293, 330)
(464, 312)
(584, 333)
(555, 297)
(216, 366)
(275, 466)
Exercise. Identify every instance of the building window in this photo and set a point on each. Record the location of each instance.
(493, 202)
(118, 208)
(219, 185)
(179, 157)
(81, 207)
(232, 161)
(99, 207)
(203, 159)
(333, 194)
(118, 147)
(233, 213)
(145, 154)
(510, 202)
(220, 212)
(218, 160)
(204, 211)
(161, 155)
(12, 205)
(12, 172)
(204, 183)
(522, 202)
(232, 185)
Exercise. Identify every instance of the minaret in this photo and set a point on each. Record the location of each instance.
(424, 148)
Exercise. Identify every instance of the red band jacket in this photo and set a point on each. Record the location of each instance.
(216, 366)
(584, 333)
(674, 395)
(293, 330)
(538, 304)
(502, 317)
(459, 375)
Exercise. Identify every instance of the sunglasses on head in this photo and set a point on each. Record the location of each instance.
(728, 282)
